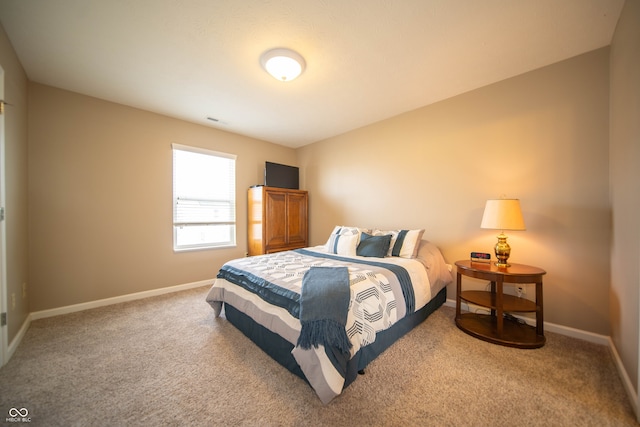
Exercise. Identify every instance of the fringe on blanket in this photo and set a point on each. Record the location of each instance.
(327, 332)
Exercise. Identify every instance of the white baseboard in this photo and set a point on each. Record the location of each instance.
(626, 381)
(116, 300)
(586, 336)
(15, 342)
(13, 345)
(551, 327)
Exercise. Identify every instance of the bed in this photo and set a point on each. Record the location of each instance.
(369, 287)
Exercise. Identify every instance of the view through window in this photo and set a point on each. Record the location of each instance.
(204, 198)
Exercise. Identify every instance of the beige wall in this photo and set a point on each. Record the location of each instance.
(625, 187)
(100, 198)
(15, 138)
(541, 137)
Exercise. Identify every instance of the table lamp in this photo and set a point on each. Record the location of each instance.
(502, 214)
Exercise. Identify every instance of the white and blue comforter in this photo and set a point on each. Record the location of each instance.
(267, 288)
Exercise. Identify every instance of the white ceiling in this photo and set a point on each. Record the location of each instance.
(367, 60)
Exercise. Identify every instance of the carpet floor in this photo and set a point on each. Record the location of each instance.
(166, 361)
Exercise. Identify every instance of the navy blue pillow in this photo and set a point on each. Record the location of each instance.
(373, 246)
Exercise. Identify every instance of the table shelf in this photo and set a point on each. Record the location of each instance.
(514, 334)
(509, 302)
(497, 327)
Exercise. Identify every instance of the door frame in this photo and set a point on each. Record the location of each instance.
(4, 345)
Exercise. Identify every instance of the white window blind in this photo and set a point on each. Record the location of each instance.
(204, 198)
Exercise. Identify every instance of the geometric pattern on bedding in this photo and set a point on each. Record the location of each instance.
(277, 278)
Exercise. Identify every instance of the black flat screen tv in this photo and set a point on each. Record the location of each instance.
(281, 176)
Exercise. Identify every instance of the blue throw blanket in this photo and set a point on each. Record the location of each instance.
(324, 304)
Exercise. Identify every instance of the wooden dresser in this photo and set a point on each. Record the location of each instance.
(278, 220)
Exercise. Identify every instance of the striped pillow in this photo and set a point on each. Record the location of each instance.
(344, 240)
(404, 243)
(343, 244)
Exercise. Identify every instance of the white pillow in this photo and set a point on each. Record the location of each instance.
(344, 240)
(343, 244)
(404, 243)
(347, 231)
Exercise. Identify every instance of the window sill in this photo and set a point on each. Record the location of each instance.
(203, 248)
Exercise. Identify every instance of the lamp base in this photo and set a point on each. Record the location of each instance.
(503, 251)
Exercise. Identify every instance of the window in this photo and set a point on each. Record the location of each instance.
(204, 198)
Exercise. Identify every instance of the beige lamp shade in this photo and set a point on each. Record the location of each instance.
(503, 214)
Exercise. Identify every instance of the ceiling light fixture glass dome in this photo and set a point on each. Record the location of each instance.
(283, 64)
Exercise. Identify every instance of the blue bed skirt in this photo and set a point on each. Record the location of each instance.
(280, 349)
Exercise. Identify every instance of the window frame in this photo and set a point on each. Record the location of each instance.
(232, 243)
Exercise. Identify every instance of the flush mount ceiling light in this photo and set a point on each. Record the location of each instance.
(283, 64)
